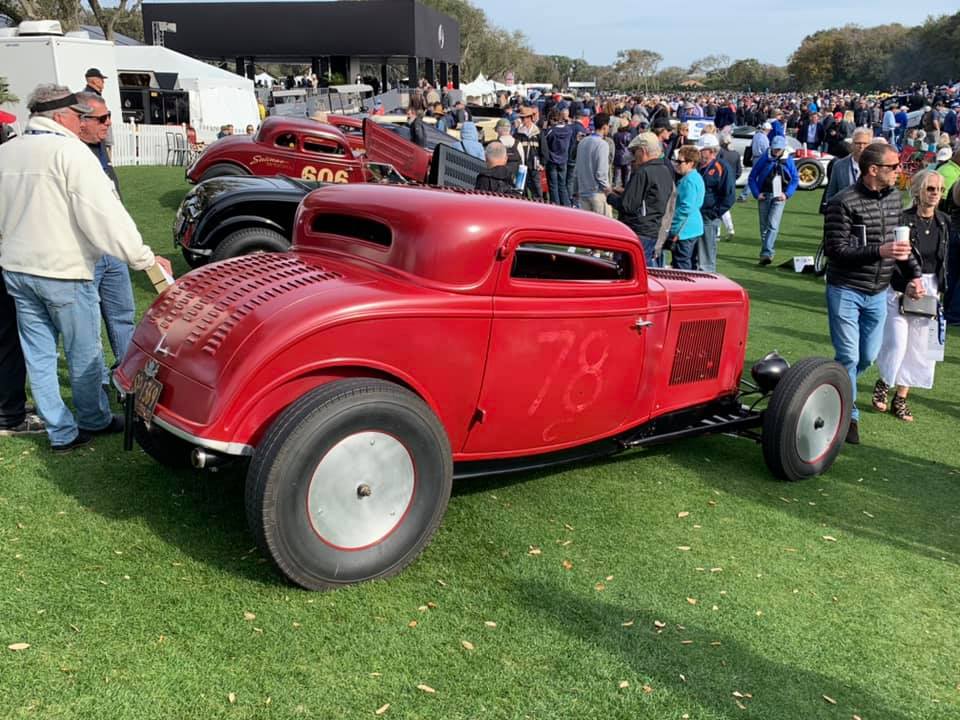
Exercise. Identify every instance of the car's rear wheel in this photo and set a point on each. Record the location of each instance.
(249, 240)
(810, 173)
(806, 422)
(349, 484)
(222, 170)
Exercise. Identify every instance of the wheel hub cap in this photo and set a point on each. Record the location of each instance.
(819, 422)
(361, 490)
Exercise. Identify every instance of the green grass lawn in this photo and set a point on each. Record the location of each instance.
(141, 596)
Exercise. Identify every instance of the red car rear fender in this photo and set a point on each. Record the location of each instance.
(254, 408)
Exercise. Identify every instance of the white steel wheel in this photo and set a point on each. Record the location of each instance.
(349, 484)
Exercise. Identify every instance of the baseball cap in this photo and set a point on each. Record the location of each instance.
(708, 142)
(661, 123)
(502, 123)
(767, 125)
(778, 143)
(94, 72)
(944, 154)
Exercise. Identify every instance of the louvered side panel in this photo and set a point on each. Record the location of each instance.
(697, 358)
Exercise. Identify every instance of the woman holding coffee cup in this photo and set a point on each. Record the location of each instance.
(912, 340)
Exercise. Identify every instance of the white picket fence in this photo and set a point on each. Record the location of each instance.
(135, 144)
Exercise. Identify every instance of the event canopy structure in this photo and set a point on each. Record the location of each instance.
(217, 97)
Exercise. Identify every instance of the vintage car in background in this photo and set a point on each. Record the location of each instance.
(311, 150)
(318, 369)
(811, 165)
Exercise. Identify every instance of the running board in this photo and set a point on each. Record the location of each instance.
(734, 423)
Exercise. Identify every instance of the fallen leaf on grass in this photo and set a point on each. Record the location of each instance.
(647, 689)
(628, 623)
(441, 583)
(691, 601)
(248, 616)
(623, 685)
(426, 689)
(829, 699)
(683, 547)
(683, 678)
(16, 647)
(711, 503)
(716, 569)
(599, 587)
(490, 623)
(375, 674)
(857, 717)
(659, 625)
(423, 608)
(567, 565)
(232, 698)
(868, 514)
(534, 550)
(382, 709)
(829, 538)
(740, 705)
(686, 642)
(412, 624)
(568, 527)
(608, 578)
(296, 625)
(682, 514)
(432, 605)
(467, 645)
(715, 643)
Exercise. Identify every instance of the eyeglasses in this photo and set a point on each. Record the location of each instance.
(102, 119)
(889, 165)
(934, 189)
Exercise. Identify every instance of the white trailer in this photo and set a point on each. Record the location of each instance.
(30, 60)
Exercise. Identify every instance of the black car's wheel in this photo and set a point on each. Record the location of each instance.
(193, 260)
(222, 170)
(806, 423)
(249, 240)
(349, 483)
(811, 174)
(163, 447)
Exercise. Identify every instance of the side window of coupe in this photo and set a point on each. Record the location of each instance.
(322, 145)
(286, 140)
(565, 263)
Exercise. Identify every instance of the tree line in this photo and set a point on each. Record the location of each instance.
(851, 56)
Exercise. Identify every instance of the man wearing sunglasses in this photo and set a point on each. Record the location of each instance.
(58, 215)
(110, 275)
(858, 235)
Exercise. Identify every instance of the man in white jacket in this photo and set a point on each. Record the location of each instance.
(58, 215)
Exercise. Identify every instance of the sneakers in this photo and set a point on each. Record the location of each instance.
(31, 425)
(115, 426)
(82, 438)
(764, 260)
(853, 433)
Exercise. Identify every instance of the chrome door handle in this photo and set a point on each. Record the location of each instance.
(640, 324)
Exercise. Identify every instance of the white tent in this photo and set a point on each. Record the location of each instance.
(264, 79)
(486, 89)
(217, 97)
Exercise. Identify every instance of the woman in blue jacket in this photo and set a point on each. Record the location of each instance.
(773, 164)
(687, 225)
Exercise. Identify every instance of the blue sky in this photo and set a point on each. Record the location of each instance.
(685, 31)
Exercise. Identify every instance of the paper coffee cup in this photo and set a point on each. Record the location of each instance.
(901, 234)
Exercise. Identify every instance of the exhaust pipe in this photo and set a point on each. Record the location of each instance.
(203, 459)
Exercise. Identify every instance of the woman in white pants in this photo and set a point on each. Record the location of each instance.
(913, 344)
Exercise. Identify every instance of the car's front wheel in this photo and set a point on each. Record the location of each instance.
(349, 484)
(249, 240)
(805, 424)
(811, 174)
(223, 170)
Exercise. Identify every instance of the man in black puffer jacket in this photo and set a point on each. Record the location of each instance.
(858, 238)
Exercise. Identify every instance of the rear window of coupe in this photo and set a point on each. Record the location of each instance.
(356, 228)
(570, 263)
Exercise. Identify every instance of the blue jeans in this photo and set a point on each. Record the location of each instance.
(48, 309)
(112, 280)
(683, 253)
(856, 330)
(649, 248)
(557, 183)
(770, 213)
(707, 246)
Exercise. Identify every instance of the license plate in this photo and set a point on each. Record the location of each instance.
(147, 391)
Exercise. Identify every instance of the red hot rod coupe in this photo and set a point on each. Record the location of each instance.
(413, 335)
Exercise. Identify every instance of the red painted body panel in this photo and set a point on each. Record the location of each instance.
(384, 146)
(351, 127)
(286, 146)
(511, 366)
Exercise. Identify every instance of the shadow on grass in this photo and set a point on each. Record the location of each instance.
(713, 672)
(172, 199)
(200, 514)
(912, 491)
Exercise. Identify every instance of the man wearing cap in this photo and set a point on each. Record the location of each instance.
(948, 165)
(773, 180)
(528, 146)
(664, 131)
(642, 204)
(95, 82)
(719, 195)
(58, 215)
